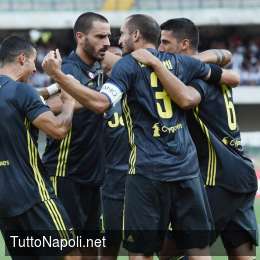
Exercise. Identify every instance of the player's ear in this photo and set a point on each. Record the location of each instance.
(21, 58)
(185, 44)
(79, 36)
(136, 35)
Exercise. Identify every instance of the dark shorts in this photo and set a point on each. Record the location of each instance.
(149, 205)
(234, 216)
(82, 202)
(45, 221)
(112, 216)
(114, 184)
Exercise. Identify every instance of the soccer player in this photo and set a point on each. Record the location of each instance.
(228, 174)
(113, 189)
(27, 202)
(164, 171)
(76, 163)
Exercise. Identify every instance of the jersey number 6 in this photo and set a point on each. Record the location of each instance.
(231, 114)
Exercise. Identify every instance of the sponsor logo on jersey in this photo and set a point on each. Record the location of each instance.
(4, 163)
(159, 130)
(234, 143)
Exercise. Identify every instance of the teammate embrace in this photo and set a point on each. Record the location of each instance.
(169, 180)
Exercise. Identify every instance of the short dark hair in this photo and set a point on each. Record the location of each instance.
(12, 46)
(85, 21)
(183, 28)
(148, 27)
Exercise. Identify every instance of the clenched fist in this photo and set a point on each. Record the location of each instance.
(52, 63)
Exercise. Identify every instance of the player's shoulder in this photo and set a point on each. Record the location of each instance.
(71, 64)
(127, 64)
(163, 54)
(127, 59)
(10, 86)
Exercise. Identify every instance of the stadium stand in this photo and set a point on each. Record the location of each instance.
(6, 5)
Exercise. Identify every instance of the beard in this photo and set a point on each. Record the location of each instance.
(90, 51)
(128, 47)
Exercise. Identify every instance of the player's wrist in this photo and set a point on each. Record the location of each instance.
(53, 89)
(155, 63)
(56, 75)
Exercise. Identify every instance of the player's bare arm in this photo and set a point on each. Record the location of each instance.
(48, 91)
(109, 60)
(184, 97)
(89, 98)
(181, 94)
(220, 57)
(55, 103)
(230, 77)
(57, 126)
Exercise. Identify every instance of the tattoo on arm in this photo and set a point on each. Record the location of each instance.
(220, 56)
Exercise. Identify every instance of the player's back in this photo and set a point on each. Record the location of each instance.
(158, 134)
(20, 166)
(215, 131)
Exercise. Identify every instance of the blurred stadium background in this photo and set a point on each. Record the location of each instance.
(230, 24)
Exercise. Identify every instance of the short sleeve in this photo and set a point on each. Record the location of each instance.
(120, 80)
(193, 68)
(29, 102)
(123, 72)
(200, 86)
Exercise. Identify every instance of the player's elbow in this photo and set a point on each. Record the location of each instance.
(187, 104)
(59, 133)
(101, 106)
(230, 78)
(235, 79)
(189, 101)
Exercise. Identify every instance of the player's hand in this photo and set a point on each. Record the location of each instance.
(52, 62)
(145, 57)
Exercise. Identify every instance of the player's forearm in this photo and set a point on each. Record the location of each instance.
(55, 104)
(89, 98)
(48, 91)
(64, 119)
(230, 78)
(182, 95)
(216, 56)
(110, 60)
(62, 123)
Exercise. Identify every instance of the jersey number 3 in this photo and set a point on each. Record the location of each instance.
(231, 114)
(164, 107)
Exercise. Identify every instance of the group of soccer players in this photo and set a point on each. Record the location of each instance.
(157, 135)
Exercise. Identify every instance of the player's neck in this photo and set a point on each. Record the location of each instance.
(145, 46)
(84, 57)
(190, 52)
(11, 71)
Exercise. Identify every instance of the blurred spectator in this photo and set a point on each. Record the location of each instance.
(246, 51)
(40, 79)
(246, 56)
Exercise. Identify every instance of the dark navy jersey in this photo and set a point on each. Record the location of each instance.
(80, 155)
(213, 126)
(117, 153)
(22, 179)
(161, 147)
